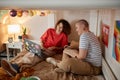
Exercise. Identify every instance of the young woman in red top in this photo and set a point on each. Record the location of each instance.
(54, 40)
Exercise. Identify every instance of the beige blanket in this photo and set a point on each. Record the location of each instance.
(45, 71)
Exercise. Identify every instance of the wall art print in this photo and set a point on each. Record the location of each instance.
(116, 41)
(105, 34)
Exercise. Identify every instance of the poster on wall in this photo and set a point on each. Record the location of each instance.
(116, 41)
(105, 34)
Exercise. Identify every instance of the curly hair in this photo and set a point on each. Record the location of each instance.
(66, 26)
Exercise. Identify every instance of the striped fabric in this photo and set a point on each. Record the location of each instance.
(90, 42)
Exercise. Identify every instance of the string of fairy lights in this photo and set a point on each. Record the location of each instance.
(19, 13)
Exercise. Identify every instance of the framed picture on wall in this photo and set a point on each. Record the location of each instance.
(105, 34)
(116, 41)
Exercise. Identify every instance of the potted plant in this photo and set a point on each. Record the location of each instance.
(24, 35)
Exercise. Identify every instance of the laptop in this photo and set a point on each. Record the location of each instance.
(35, 48)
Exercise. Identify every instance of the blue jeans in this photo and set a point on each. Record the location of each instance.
(16, 67)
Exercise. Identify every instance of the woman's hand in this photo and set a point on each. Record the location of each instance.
(41, 44)
(52, 48)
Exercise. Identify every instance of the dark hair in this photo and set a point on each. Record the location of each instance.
(83, 21)
(66, 26)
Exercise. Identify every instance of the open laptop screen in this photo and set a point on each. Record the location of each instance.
(32, 47)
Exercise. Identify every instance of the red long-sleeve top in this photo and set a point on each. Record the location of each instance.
(50, 38)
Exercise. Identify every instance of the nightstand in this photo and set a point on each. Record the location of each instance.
(13, 45)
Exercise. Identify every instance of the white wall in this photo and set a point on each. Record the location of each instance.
(108, 17)
(37, 25)
(94, 21)
(112, 62)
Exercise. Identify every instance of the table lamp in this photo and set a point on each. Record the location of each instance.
(13, 29)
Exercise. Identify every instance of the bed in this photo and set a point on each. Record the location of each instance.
(45, 71)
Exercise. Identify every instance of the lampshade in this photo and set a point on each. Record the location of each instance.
(13, 28)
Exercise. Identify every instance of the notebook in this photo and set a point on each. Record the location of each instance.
(34, 47)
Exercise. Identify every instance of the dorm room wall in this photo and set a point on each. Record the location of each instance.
(3, 36)
(3, 29)
(113, 63)
(37, 25)
(108, 16)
